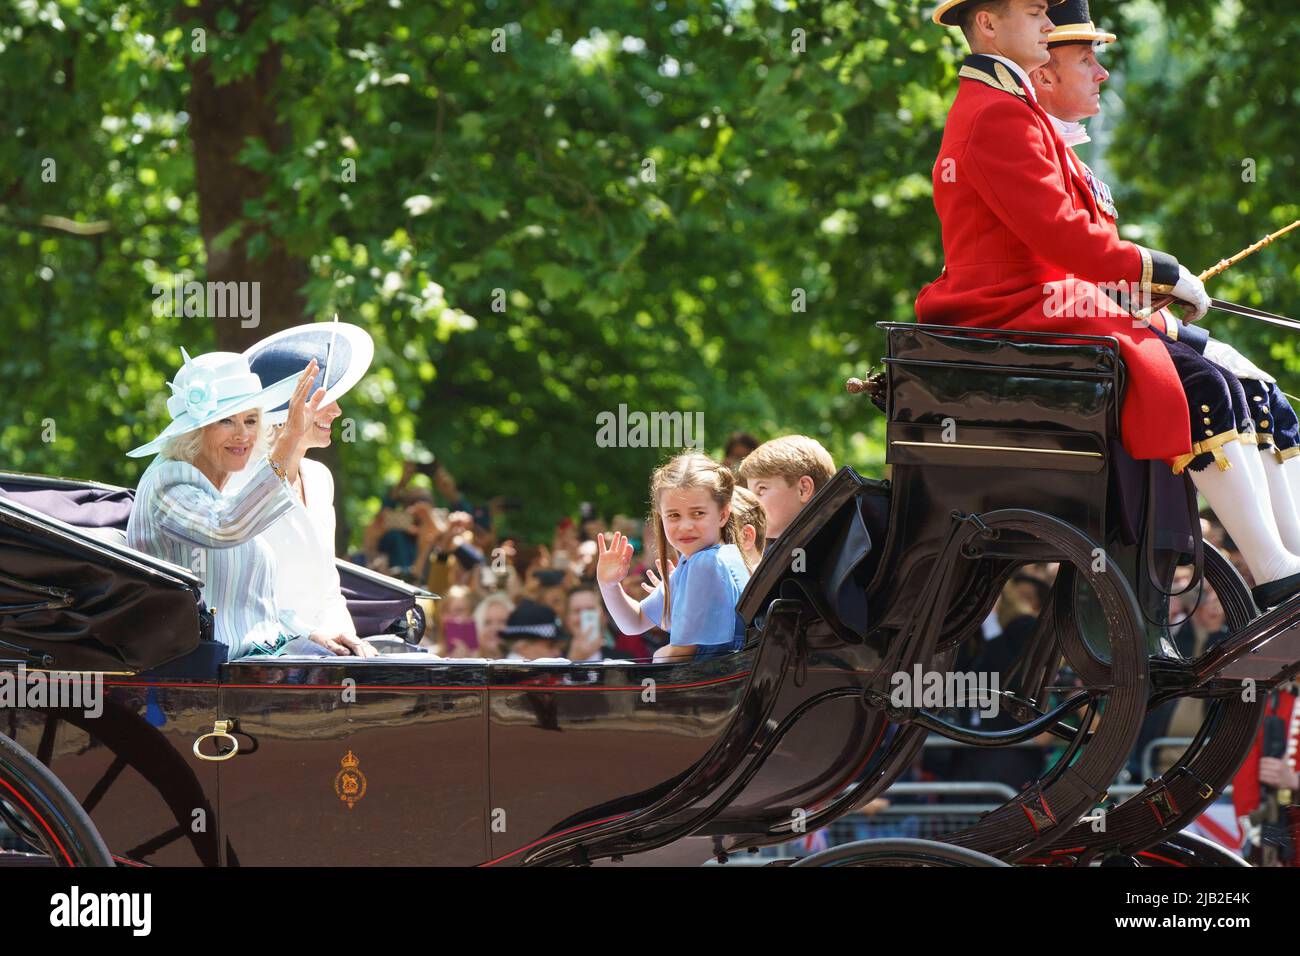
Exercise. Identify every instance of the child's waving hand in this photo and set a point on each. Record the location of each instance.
(657, 579)
(615, 561)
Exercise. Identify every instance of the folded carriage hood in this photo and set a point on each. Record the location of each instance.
(70, 600)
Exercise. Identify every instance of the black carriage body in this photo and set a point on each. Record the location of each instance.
(392, 761)
(389, 761)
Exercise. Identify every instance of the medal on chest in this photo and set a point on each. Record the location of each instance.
(1100, 191)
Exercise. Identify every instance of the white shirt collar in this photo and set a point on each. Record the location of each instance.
(1074, 134)
(1019, 71)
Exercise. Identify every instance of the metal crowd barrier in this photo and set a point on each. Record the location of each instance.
(929, 809)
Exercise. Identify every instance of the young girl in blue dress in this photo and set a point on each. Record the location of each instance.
(696, 603)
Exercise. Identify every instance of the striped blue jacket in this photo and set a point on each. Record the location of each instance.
(181, 517)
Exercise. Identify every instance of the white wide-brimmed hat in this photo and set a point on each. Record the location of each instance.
(343, 352)
(212, 387)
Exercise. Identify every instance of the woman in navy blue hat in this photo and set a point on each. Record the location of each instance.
(306, 580)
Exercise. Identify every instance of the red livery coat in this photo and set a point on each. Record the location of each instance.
(1106, 214)
(1017, 231)
(1245, 786)
(1103, 210)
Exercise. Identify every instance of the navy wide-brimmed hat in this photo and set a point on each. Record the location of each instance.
(343, 352)
(530, 619)
(946, 13)
(1074, 25)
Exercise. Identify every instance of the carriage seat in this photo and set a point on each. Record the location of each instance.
(88, 507)
(981, 420)
(1013, 399)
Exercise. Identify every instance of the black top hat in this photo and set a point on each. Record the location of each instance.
(1074, 25)
(530, 619)
(947, 11)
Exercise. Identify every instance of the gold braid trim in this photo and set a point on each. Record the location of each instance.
(1171, 325)
(1007, 80)
(1148, 269)
(1080, 31)
(1286, 454)
(971, 73)
(1211, 446)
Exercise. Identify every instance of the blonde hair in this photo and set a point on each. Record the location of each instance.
(485, 605)
(748, 510)
(186, 447)
(691, 470)
(789, 457)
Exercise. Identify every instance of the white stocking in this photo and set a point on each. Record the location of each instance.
(1291, 468)
(1282, 501)
(1247, 518)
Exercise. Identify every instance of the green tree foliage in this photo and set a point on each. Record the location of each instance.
(1205, 153)
(540, 210)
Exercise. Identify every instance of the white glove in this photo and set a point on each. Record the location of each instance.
(1191, 292)
(1221, 353)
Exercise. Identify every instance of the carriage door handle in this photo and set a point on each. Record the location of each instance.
(221, 728)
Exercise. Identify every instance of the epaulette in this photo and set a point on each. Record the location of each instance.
(989, 71)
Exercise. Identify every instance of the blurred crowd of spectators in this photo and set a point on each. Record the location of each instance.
(427, 532)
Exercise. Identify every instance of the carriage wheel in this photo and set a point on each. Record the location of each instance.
(1189, 849)
(41, 812)
(900, 852)
(1200, 773)
(1111, 667)
(136, 744)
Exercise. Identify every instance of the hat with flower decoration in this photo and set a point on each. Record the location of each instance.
(212, 387)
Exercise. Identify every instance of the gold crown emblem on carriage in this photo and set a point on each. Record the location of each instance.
(350, 782)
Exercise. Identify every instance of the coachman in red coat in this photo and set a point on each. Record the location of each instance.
(1022, 252)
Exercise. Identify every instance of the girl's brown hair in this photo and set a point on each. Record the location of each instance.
(691, 470)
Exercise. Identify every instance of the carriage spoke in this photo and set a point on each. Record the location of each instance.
(149, 847)
(103, 783)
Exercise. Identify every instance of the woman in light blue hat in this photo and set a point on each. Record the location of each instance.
(180, 514)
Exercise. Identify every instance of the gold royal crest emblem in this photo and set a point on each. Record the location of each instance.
(350, 782)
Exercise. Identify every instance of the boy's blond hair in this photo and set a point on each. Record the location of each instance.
(789, 457)
(749, 510)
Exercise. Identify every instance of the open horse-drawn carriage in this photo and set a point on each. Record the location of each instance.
(1004, 452)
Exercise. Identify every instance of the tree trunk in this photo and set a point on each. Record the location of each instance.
(222, 118)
